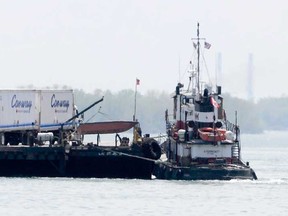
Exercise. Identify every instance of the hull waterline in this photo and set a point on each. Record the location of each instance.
(218, 172)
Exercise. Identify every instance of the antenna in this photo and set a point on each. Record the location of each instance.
(219, 68)
(198, 57)
(250, 78)
(179, 68)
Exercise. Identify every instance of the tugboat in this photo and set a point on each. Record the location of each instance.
(201, 143)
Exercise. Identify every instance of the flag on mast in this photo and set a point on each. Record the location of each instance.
(194, 45)
(207, 45)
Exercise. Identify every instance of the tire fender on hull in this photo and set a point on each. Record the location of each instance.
(151, 149)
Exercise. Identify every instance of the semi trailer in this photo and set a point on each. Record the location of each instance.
(35, 116)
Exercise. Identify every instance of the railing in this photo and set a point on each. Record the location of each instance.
(236, 151)
(230, 126)
(236, 148)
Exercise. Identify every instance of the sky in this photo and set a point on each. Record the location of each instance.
(107, 44)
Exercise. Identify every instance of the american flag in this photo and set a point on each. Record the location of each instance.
(207, 45)
(195, 45)
(214, 103)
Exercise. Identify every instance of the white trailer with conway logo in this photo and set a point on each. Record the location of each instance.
(31, 116)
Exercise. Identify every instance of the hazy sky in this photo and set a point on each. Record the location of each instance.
(93, 44)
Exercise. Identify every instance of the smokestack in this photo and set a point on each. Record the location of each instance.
(250, 77)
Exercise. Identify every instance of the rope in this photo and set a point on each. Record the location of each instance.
(128, 155)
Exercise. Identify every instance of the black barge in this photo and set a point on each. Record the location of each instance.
(75, 161)
(118, 159)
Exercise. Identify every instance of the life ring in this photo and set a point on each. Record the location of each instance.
(151, 149)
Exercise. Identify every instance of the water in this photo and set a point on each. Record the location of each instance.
(267, 154)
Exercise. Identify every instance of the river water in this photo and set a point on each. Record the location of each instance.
(267, 154)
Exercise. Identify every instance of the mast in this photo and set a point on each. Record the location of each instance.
(198, 58)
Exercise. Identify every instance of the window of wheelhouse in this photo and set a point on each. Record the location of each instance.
(187, 100)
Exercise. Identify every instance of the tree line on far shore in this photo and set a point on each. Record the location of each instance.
(253, 117)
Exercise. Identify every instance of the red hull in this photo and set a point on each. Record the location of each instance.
(106, 127)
